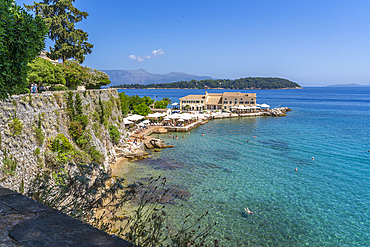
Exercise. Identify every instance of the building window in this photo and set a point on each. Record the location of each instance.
(197, 102)
(241, 102)
(201, 101)
(225, 107)
(225, 102)
(230, 102)
(236, 102)
(225, 99)
(246, 102)
(236, 99)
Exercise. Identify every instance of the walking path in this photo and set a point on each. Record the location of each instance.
(26, 222)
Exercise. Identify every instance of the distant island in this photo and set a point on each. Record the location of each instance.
(242, 83)
(143, 77)
(348, 85)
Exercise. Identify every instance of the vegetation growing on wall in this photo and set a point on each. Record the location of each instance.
(16, 126)
(78, 126)
(9, 163)
(38, 132)
(114, 134)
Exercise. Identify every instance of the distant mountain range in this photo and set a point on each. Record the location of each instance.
(143, 77)
(348, 85)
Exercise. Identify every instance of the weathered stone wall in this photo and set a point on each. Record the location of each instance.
(51, 107)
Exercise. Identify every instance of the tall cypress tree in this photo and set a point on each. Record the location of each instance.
(60, 17)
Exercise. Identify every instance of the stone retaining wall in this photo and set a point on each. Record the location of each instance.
(51, 107)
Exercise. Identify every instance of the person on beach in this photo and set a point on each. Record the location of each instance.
(248, 211)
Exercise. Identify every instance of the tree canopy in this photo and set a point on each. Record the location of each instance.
(76, 75)
(242, 83)
(61, 17)
(22, 38)
(45, 73)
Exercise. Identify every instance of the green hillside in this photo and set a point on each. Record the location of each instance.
(242, 83)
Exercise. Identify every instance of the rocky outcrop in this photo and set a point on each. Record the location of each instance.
(278, 112)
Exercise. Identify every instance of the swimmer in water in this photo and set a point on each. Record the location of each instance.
(248, 211)
(169, 136)
(296, 169)
(312, 158)
(183, 136)
(202, 134)
(254, 136)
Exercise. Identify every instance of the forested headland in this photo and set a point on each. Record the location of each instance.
(242, 83)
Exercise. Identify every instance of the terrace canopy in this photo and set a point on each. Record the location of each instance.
(264, 105)
(126, 121)
(155, 115)
(135, 117)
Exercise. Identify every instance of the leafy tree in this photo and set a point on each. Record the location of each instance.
(141, 109)
(45, 73)
(161, 104)
(21, 40)
(96, 79)
(124, 103)
(61, 17)
(74, 73)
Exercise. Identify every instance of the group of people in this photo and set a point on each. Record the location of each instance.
(33, 88)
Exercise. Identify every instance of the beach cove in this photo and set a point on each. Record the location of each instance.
(324, 203)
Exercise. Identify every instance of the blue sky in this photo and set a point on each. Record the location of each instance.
(314, 43)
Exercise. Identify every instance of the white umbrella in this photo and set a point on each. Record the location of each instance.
(265, 105)
(173, 116)
(166, 119)
(154, 115)
(145, 121)
(188, 116)
(180, 120)
(126, 121)
(175, 103)
(135, 117)
(141, 124)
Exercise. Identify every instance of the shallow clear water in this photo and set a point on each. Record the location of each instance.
(325, 203)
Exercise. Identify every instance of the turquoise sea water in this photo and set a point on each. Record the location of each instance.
(325, 203)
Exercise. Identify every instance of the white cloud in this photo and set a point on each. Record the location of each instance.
(155, 53)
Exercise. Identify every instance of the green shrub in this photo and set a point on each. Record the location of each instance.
(36, 152)
(38, 131)
(59, 88)
(96, 156)
(9, 163)
(114, 134)
(16, 126)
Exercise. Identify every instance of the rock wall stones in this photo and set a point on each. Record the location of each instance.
(50, 107)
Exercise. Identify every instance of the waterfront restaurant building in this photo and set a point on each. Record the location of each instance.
(218, 101)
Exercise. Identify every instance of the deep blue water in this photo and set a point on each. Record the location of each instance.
(325, 203)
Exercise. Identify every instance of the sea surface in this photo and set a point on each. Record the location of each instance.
(325, 203)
